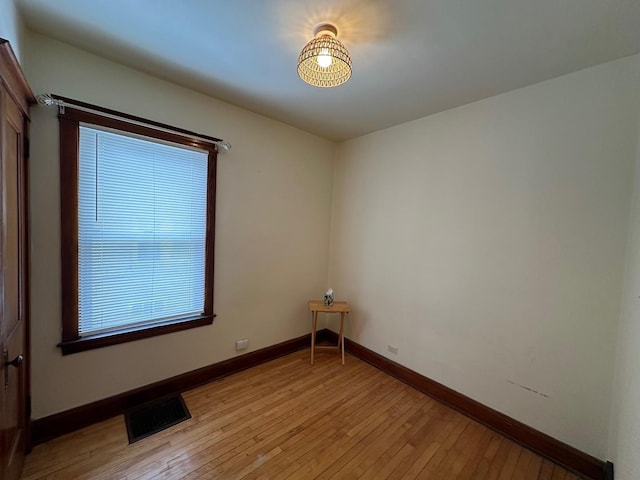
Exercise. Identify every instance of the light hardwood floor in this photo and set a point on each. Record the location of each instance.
(286, 419)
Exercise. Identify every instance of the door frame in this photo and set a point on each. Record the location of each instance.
(14, 83)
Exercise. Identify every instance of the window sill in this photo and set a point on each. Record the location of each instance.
(129, 335)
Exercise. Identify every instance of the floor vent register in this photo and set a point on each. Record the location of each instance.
(153, 417)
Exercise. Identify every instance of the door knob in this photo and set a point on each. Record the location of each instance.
(16, 361)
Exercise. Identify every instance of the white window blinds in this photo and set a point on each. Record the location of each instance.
(141, 231)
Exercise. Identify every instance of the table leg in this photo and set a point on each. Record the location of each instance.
(314, 322)
(341, 338)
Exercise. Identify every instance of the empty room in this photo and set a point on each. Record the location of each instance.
(332, 239)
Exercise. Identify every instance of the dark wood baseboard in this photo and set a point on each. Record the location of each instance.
(541, 443)
(47, 428)
(53, 426)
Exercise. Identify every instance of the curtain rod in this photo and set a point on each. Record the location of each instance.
(62, 102)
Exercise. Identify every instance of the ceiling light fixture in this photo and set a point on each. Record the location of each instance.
(324, 61)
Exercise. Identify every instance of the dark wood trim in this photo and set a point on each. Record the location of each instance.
(26, 280)
(608, 468)
(69, 144)
(14, 82)
(69, 123)
(47, 428)
(129, 335)
(212, 169)
(53, 426)
(541, 443)
(109, 122)
(127, 116)
(14, 79)
(27, 284)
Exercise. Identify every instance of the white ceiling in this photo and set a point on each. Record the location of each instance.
(411, 58)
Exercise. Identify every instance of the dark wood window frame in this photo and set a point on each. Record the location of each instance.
(69, 125)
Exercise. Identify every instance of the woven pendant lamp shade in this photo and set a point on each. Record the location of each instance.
(325, 44)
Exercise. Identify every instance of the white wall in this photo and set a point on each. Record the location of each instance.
(625, 421)
(11, 26)
(272, 229)
(487, 243)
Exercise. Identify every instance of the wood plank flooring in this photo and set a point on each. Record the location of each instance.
(286, 419)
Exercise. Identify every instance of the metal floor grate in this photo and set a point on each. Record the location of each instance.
(153, 417)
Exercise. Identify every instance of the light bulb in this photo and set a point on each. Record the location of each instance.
(324, 59)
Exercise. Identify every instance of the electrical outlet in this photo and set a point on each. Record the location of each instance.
(393, 349)
(242, 344)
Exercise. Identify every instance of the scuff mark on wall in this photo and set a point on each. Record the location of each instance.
(529, 389)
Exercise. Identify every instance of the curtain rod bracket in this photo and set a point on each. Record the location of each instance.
(47, 99)
(222, 145)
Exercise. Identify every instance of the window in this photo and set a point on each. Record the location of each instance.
(137, 208)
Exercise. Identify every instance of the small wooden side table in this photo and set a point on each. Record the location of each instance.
(318, 306)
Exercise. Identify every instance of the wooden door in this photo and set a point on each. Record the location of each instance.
(14, 376)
